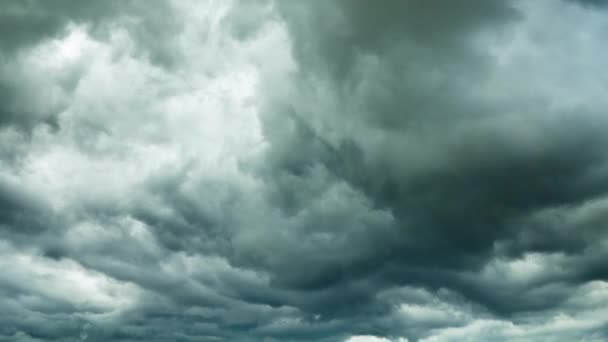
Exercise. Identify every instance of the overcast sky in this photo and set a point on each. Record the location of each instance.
(283, 170)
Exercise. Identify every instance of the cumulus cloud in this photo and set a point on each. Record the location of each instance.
(370, 338)
(303, 171)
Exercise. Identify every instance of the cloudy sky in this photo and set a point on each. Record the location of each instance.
(278, 170)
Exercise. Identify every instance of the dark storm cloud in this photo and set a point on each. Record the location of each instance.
(413, 180)
(351, 29)
(23, 25)
(26, 23)
(592, 2)
(446, 164)
(21, 212)
(388, 99)
(18, 107)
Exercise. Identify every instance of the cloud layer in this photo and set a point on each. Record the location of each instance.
(303, 171)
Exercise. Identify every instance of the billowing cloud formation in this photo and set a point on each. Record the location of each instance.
(303, 171)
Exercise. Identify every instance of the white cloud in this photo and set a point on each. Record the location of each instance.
(41, 280)
(370, 338)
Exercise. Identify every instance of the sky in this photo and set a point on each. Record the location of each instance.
(277, 170)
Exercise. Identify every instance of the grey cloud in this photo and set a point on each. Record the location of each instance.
(335, 35)
(592, 2)
(395, 109)
(303, 171)
(26, 23)
(27, 102)
(426, 163)
(21, 212)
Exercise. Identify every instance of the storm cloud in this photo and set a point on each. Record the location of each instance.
(273, 170)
